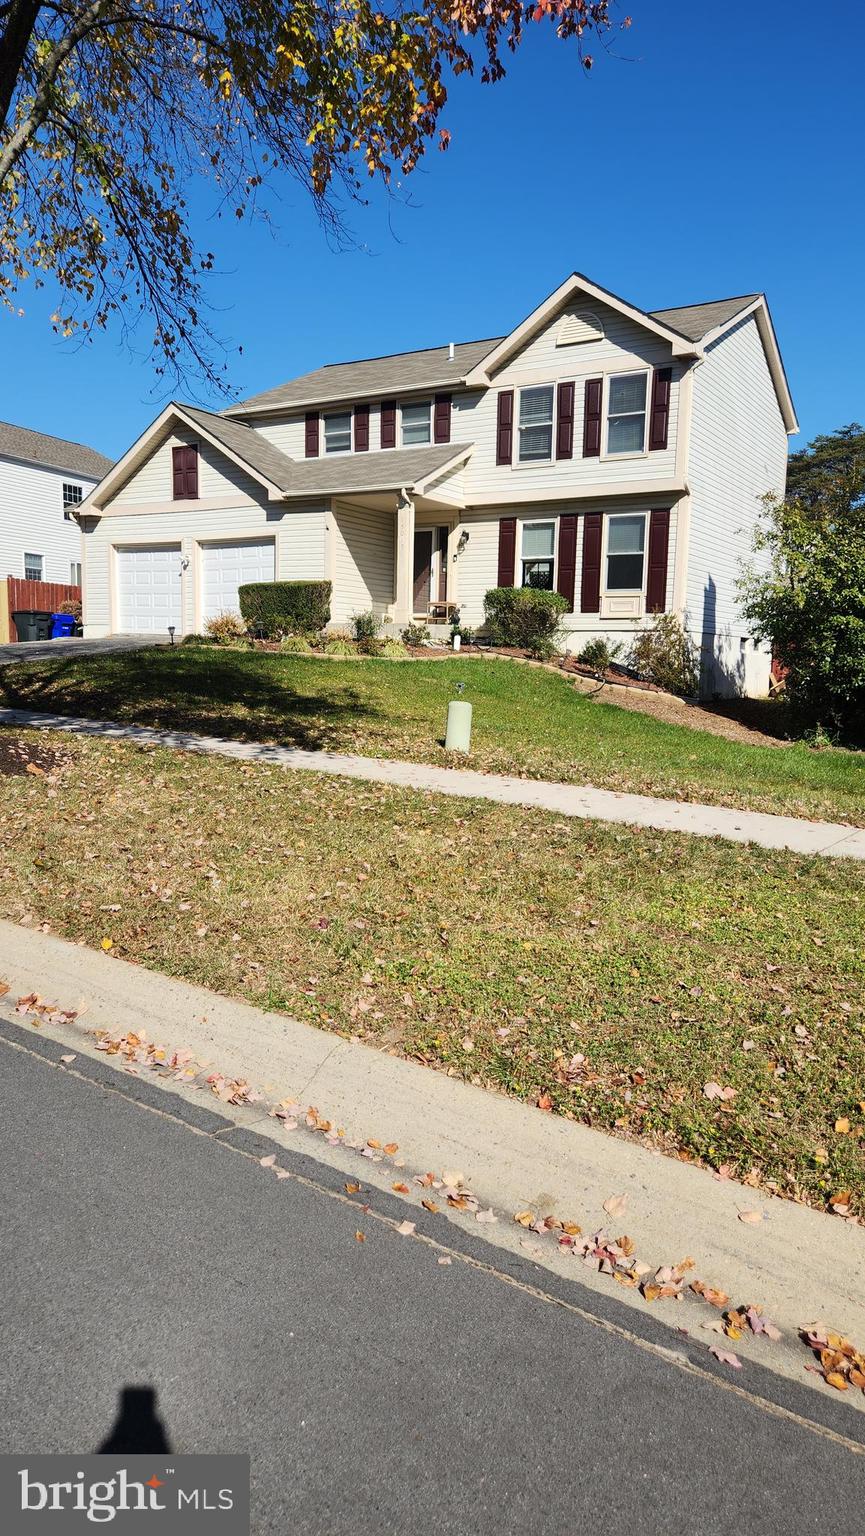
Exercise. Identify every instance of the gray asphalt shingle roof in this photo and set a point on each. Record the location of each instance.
(248, 444)
(333, 474)
(694, 320)
(373, 376)
(54, 452)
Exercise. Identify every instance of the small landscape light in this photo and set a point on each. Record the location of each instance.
(171, 629)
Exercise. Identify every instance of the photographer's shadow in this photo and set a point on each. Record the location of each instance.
(138, 1429)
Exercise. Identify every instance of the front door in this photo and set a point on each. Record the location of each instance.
(423, 551)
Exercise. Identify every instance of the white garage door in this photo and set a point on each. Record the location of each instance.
(228, 565)
(148, 581)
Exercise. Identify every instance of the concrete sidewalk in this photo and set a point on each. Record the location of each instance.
(829, 839)
(798, 1263)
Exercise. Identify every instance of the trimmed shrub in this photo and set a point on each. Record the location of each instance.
(293, 607)
(366, 631)
(528, 617)
(225, 627)
(599, 654)
(194, 640)
(665, 656)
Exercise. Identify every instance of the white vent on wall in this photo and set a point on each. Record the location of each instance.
(579, 327)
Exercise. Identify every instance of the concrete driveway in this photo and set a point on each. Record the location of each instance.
(47, 650)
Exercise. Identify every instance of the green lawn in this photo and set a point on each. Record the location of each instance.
(609, 972)
(526, 720)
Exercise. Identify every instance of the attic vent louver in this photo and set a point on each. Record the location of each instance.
(577, 327)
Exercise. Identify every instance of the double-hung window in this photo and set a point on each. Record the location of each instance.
(536, 424)
(416, 423)
(626, 552)
(337, 432)
(33, 567)
(75, 573)
(536, 552)
(73, 495)
(626, 413)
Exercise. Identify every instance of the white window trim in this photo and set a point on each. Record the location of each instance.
(533, 522)
(633, 453)
(336, 453)
(624, 591)
(516, 462)
(76, 564)
(429, 405)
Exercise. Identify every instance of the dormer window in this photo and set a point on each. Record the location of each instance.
(580, 327)
(416, 423)
(337, 432)
(184, 467)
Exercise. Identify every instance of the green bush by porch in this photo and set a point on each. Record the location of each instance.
(287, 607)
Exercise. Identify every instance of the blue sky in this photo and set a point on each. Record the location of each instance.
(720, 153)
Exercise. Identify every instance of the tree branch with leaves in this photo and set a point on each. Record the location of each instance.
(109, 109)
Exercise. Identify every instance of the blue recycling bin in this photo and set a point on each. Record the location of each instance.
(62, 625)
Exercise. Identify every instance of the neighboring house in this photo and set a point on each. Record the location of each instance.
(43, 482)
(615, 455)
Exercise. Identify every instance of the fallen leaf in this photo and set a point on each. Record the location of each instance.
(391, 1147)
(400, 1189)
(67, 1059)
(445, 1261)
(615, 1205)
(841, 1200)
(524, 1218)
(725, 1356)
(453, 1179)
(406, 1228)
(486, 1216)
(351, 1188)
(4, 988)
(836, 1380)
(282, 1173)
(375, 1145)
(842, 1126)
(360, 1237)
(430, 1205)
(752, 1218)
(268, 1162)
(545, 1102)
(715, 1091)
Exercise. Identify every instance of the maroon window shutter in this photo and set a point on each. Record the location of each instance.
(361, 428)
(566, 568)
(565, 429)
(659, 542)
(592, 423)
(660, 418)
(178, 474)
(312, 434)
(590, 585)
(388, 423)
(442, 419)
(507, 550)
(505, 437)
(191, 472)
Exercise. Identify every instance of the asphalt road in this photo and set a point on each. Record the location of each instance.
(375, 1390)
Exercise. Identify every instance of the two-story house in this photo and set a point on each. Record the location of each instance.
(43, 482)
(614, 455)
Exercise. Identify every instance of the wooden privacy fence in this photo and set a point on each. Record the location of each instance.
(17, 595)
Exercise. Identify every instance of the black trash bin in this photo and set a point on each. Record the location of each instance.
(30, 625)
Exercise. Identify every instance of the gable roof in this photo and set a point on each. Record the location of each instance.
(431, 368)
(246, 447)
(696, 320)
(244, 443)
(53, 452)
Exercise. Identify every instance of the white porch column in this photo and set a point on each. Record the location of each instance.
(404, 595)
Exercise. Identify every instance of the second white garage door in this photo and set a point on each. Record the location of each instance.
(227, 566)
(148, 588)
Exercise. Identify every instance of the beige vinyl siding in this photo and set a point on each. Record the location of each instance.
(477, 564)
(362, 561)
(218, 476)
(738, 453)
(32, 521)
(298, 534)
(625, 348)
